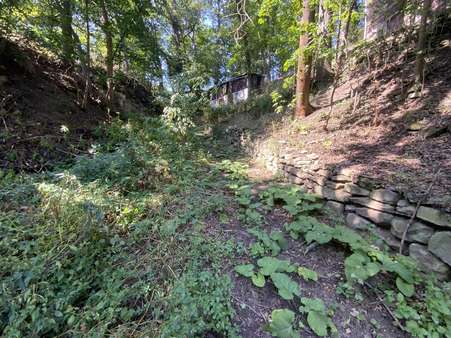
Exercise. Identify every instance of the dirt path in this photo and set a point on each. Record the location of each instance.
(353, 317)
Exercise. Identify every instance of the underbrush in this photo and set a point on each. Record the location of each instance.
(96, 249)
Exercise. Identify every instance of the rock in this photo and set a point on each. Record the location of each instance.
(346, 172)
(294, 179)
(442, 201)
(324, 172)
(433, 131)
(331, 194)
(341, 178)
(372, 204)
(336, 207)
(292, 171)
(312, 156)
(403, 207)
(367, 182)
(355, 190)
(334, 185)
(385, 196)
(440, 245)
(357, 223)
(418, 232)
(3, 80)
(376, 216)
(416, 126)
(386, 237)
(434, 216)
(427, 262)
(350, 207)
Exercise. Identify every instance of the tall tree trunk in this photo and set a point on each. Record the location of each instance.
(339, 57)
(303, 75)
(88, 58)
(67, 31)
(421, 45)
(106, 27)
(323, 68)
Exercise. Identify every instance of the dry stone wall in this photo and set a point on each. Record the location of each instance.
(365, 204)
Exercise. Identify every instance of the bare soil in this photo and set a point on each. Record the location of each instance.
(379, 126)
(41, 119)
(253, 305)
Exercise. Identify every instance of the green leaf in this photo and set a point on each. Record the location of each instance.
(307, 274)
(269, 265)
(281, 324)
(407, 289)
(318, 323)
(247, 270)
(258, 279)
(286, 287)
(317, 316)
(279, 238)
(313, 304)
(320, 233)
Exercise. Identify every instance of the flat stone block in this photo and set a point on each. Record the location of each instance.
(376, 216)
(385, 196)
(440, 246)
(427, 262)
(418, 232)
(434, 216)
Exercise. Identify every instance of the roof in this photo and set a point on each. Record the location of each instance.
(237, 78)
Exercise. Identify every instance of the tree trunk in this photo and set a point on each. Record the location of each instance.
(323, 68)
(67, 30)
(421, 45)
(88, 58)
(339, 58)
(303, 75)
(106, 27)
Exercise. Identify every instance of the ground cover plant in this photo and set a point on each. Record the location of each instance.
(125, 242)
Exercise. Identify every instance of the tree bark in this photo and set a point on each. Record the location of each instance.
(421, 45)
(106, 27)
(88, 58)
(67, 31)
(303, 74)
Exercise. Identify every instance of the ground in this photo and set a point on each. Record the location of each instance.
(142, 237)
(42, 122)
(254, 306)
(378, 126)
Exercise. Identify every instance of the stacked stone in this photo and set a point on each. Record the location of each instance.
(367, 204)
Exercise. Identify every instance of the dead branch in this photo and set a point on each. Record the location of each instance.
(428, 192)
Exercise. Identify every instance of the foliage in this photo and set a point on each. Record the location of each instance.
(317, 316)
(281, 324)
(307, 274)
(200, 303)
(82, 252)
(292, 198)
(272, 243)
(286, 287)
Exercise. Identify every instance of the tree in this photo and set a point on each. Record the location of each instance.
(107, 30)
(88, 57)
(421, 44)
(303, 74)
(339, 56)
(66, 13)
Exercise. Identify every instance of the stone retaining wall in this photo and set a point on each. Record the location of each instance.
(366, 204)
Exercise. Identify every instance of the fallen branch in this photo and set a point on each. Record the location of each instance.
(428, 191)
(390, 312)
